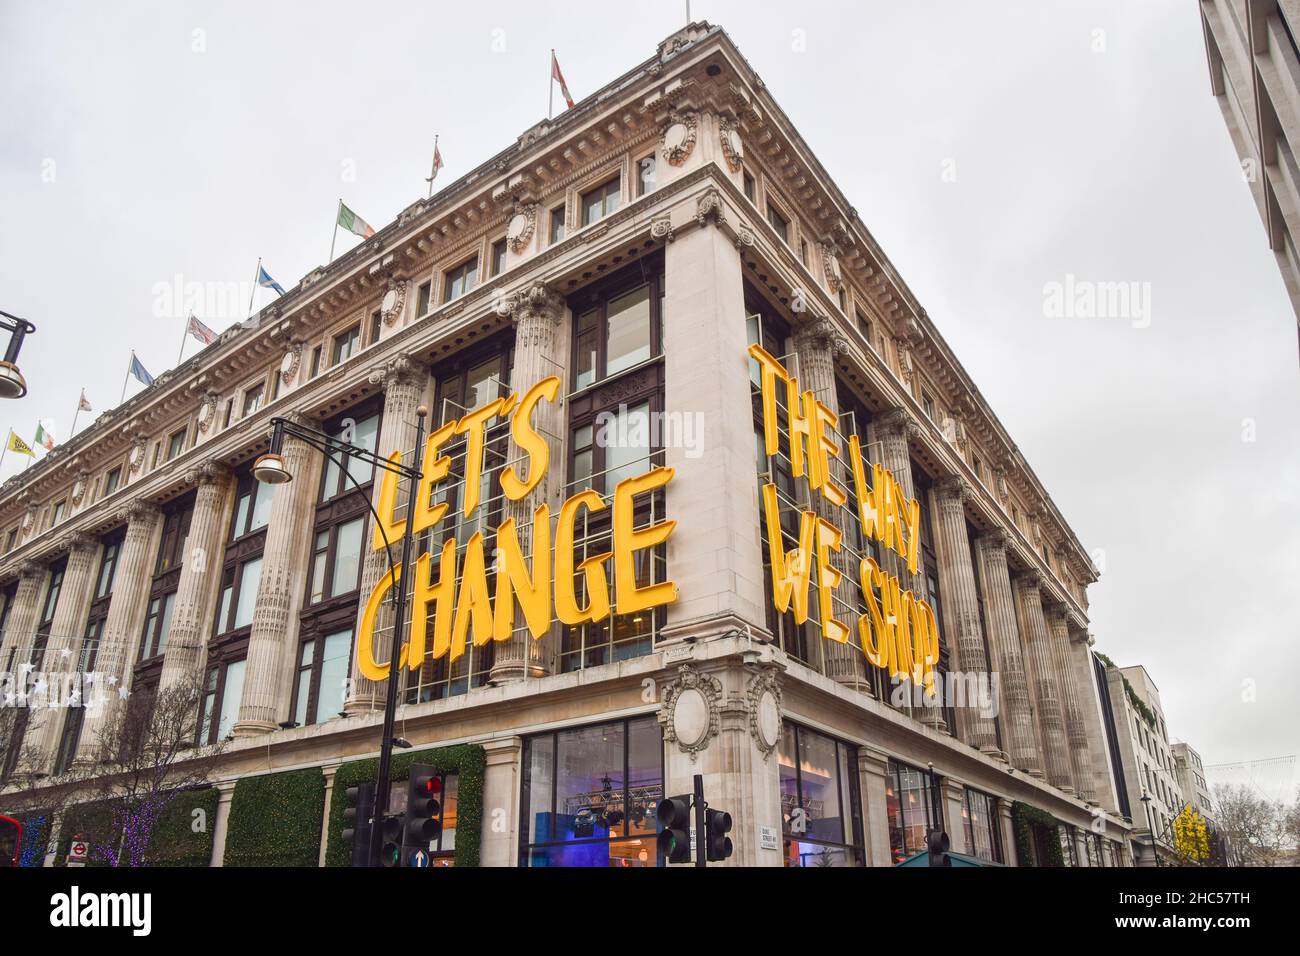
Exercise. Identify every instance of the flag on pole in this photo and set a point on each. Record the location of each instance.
(199, 331)
(558, 77)
(139, 371)
(16, 444)
(83, 405)
(354, 223)
(266, 282)
(45, 434)
(437, 163)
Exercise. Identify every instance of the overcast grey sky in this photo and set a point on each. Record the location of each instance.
(991, 147)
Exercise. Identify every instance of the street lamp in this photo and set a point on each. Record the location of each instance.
(270, 468)
(12, 383)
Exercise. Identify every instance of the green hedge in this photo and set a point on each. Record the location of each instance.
(275, 819)
(1024, 818)
(467, 761)
(174, 841)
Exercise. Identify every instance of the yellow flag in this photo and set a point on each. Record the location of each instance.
(16, 444)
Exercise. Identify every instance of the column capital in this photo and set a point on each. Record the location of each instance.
(397, 371)
(78, 541)
(211, 472)
(31, 568)
(993, 540)
(954, 486)
(1055, 611)
(819, 333)
(534, 302)
(711, 209)
(897, 422)
(138, 510)
(1029, 581)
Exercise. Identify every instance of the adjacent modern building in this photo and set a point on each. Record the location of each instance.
(1150, 773)
(1255, 75)
(632, 250)
(1191, 779)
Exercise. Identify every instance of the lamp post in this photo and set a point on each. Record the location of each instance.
(12, 383)
(1146, 805)
(270, 468)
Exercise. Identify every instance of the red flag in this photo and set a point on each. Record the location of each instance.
(201, 331)
(437, 162)
(558, 77)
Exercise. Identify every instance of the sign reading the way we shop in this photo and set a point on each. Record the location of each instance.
(898, 631)
(465, 609)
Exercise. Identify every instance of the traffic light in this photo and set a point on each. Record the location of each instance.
(423, 811)
(674, 814)
(717, 824)
(357, 820)
(390, 842)
(937, 846)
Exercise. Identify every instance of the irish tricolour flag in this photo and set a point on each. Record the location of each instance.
(354, 223)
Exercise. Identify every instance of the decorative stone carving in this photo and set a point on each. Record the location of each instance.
(137, 511)
(898, 420)
(661, 229)
(690, 712)
(763, 701)
(521, 227)
(534, 301)
(390, 308)
(831, 265)
(820, 332)
(136, 457)
(207, 411)
(733, 148)
(710, 209)
(401, 369)
(207, 473)
(79, 487)
(744, 238)
(678, 139)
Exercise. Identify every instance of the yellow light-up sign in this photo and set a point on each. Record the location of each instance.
(451, 590)
(898, 631)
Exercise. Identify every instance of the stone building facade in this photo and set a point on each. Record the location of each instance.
(634, 247)
(1255, 75)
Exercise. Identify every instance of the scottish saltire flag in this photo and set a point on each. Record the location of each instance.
(266, 282)
(140, 372)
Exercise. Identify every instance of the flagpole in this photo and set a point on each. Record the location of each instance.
(185, 332)
(254, 292)
(126, 378)
(550, 76)
(334, 238)
(4, 451)
(433, 165)
(75, 416)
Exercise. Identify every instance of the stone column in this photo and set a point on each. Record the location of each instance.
(817, 343)
(66, 631)
(894, 431)
(1042, 667)
(953, 795)
(126, 610)
(404, 381)
(961, 609)
(714, 554)
(1008, 830)
(501, 793)
(21, 629)
(1102, 788)
(536, 312)
(329, 772)
(1076, 733)
(873, 767)
(273, 637)
(200, 576)
(221, 825)
(1014, 704)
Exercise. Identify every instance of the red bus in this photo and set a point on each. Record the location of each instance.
(11, 840)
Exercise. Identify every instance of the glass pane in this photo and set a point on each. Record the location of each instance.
(168, 603)
(813, 854)
(241, 515)
(792, 821)
(450, 792)
(262, 495)
(587, 346)
(333, 674)
(821, 796)
(365, 435)
(304, 689)
(539, 776)
(347, 557)
(230, 696)
(481, 384)
(248, 578)
(645, 777)
(589, 795)
(629, 330)
(626, 440)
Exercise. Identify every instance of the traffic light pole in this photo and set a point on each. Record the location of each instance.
(384, 786)
(701, 834)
